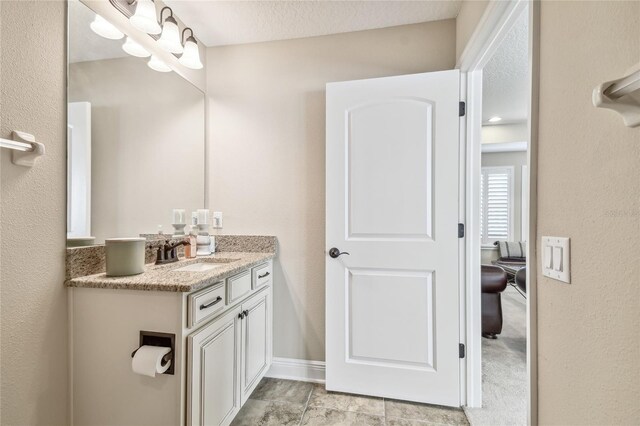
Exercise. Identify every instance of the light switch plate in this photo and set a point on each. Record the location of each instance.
(556, 258)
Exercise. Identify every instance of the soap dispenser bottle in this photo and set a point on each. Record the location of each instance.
(189, 248)
(193, 240)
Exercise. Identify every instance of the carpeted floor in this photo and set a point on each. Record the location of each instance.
(504, 369)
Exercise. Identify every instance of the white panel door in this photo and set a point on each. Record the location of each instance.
(392, 203)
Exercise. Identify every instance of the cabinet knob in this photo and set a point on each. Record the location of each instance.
(241, 315)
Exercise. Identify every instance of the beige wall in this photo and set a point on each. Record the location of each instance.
(468, 18)
(588, 186)
(513, 132)
(147, 145)
(34, 308)
(589, 190)
(267, 120)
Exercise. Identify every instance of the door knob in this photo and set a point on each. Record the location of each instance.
(335, 253)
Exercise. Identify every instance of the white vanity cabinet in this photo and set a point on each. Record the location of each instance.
(213, 373)
(223, 348)
(256, 341)
(228, 357)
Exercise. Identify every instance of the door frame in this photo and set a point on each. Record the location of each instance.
(493, 27)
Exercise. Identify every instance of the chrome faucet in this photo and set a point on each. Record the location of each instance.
(167, 252)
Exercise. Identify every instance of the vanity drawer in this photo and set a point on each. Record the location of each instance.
(238, 286)
(205, 303)
(262, 275)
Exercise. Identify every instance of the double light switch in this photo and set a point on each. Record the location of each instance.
(555, 258)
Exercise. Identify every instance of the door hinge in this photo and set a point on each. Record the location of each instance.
(461, 230)
(461, 350)
(462, 109)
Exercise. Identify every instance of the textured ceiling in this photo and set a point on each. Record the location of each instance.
(505, 77)
(505, 87)
(219, 23)
(84, 44)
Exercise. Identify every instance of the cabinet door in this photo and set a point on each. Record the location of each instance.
(256, 341)
(214, 360)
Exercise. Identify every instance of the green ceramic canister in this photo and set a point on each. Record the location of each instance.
(125, 256)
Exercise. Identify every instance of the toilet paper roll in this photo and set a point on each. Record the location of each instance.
(148, 360)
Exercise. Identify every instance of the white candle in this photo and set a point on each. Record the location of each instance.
(179, 216)
(203, 217)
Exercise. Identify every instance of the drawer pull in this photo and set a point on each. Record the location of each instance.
(210, 304)
(266, 274)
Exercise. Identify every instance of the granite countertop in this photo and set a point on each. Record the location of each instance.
(166, 278)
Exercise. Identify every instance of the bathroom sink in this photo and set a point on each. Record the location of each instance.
(217, 260)
(198, 267)
(205, 265)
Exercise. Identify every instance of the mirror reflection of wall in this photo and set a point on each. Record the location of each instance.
(136, 139)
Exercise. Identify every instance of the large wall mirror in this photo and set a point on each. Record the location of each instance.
(136, 139)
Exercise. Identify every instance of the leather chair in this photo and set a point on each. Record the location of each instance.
(521, 280)
(493, 281)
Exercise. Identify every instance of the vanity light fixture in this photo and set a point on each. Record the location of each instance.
(170, 38)
(105, 29)
(158, 64)
(134, 49)
(191, 56)
(145, 18)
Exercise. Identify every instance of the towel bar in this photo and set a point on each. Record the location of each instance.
(25, 148)
(621, 95)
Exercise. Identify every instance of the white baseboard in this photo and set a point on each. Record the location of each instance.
(297, 369)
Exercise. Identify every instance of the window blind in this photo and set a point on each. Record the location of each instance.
(496, 204)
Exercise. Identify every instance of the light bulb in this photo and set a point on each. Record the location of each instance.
(170, 38)
(105, 29)
(495, 119)
(191, 56)
(134, 49)
(158, 64)
(145, 18)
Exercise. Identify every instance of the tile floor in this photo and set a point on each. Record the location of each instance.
(285, 402)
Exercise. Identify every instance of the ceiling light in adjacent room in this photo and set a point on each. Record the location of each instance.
(191, 56)
(170, 38)
(158, 64)
(495, 119)
(105, 29)
(134, 49)
(145, 18)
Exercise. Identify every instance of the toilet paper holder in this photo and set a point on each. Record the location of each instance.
(165, 340)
